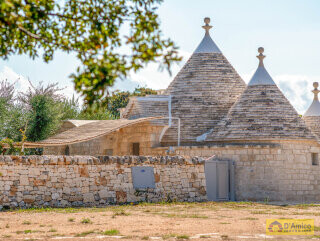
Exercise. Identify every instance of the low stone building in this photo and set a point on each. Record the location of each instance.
(106, 137)
(249, 137)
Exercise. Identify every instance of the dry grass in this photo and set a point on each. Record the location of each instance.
(167, 221)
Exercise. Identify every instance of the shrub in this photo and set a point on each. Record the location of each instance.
(111, 232)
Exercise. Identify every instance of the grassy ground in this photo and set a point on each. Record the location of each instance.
(168, 221)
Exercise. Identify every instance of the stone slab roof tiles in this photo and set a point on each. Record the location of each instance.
(148, 106)
(88, 131)
(312, 115)
(203, 91)
(68, 124)
(313, 122)
(261, 113)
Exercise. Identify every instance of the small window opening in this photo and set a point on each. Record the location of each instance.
(136, 149)
(315, 159)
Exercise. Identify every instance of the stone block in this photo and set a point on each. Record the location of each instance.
(104, 194)
(24, 180)
(121, 196)
(88, 198)
(29, 199)
(55, 196)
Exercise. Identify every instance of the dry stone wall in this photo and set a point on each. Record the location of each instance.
(60, 181)
(275, 171)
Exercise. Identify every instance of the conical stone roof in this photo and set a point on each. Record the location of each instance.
(314, 109)
(261, 113)
(312, 115)
(203, 91)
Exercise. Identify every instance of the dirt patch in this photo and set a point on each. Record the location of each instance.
(177, 221)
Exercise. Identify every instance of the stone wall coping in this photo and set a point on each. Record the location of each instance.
(100, 160)
(240, 144)
(225, 145)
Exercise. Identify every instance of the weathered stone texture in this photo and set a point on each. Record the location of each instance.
(89, 181)
(313, 122)
(149, 106)
(261, 113)
(202, 93)
(117, 143)
(274, 171)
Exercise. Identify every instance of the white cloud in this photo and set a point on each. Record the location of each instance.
(69, 91)
(297, 88)
(21, 83)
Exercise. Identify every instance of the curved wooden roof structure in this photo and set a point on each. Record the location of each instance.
(88, 132)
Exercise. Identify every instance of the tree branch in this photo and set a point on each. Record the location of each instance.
(28, 32)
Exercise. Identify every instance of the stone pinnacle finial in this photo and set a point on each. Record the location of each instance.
(207, 27)
(261, 56)
(316, 91)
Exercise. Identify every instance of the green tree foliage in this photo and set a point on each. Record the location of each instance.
(43, 118)
(44, 106)
(6, 98)
(4, 108)
(12, 116)
(70, 108)
(96, 112)
(96, 31)
(40, 110)
(120, 99)
(7, 147)
(11, 119)
(143, 91)
(16, 119)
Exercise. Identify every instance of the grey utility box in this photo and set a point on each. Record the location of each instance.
(143, 177)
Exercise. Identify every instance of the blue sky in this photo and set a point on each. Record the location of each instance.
(289, 30)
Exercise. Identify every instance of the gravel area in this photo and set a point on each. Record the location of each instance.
(168, 221)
